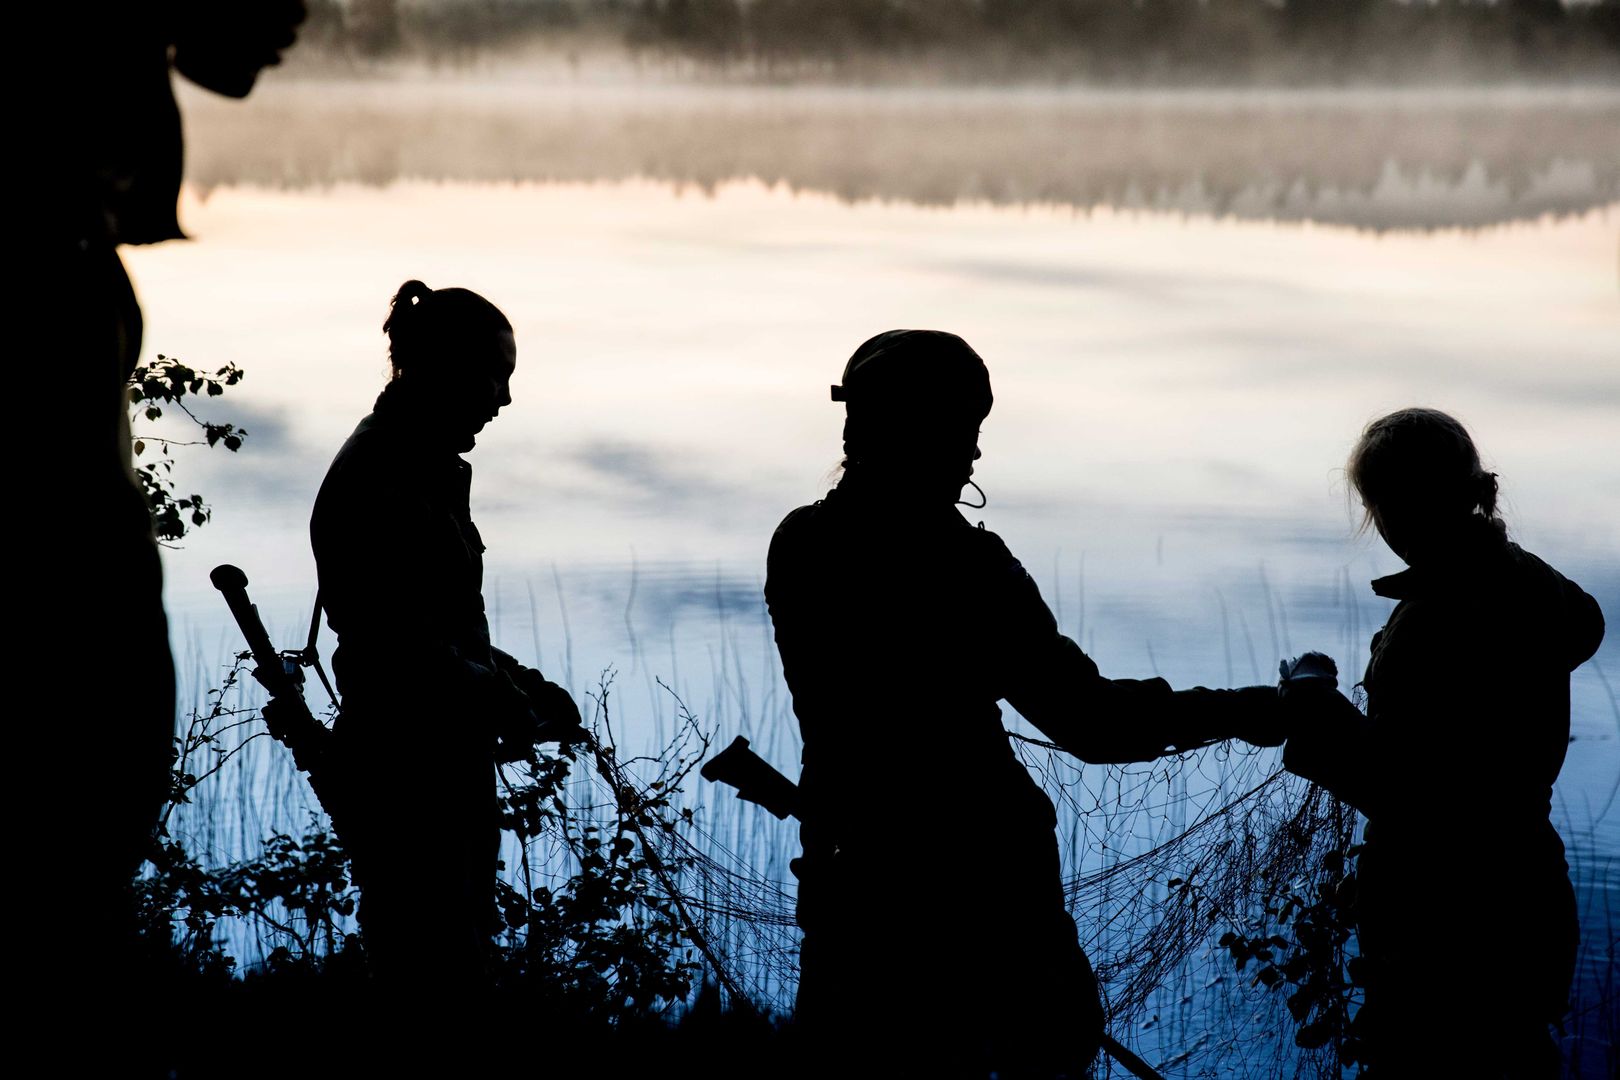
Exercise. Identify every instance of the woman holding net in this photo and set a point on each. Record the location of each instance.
(1465, 913)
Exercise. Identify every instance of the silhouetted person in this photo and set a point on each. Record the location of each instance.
(935, 933)
(428, 705)
(108, 174)
(1465, 916)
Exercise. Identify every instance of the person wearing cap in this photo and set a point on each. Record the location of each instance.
(930, 896)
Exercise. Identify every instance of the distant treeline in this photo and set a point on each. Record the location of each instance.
(1408, 159)
(1094, 40)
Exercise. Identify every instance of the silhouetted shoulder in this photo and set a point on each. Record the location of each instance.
(798, 529)
(799, 521)
(343, 477)
(991, 556)
(990, 546)
(1555, 609)
(374, 463)
(370, 442)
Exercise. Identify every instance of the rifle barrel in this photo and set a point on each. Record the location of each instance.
(232, 582)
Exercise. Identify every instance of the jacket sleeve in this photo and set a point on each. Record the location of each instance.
(1582, 619)
(1448, 698)
(1058, 688)
(551, 704)
(802, 642)
(1334, 745)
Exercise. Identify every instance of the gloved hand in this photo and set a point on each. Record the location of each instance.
(557, 715)
(512, 719)
(1329, 742)
(1307, 673)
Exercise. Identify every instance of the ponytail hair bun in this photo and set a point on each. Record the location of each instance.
(427, 328)
(1422, 456)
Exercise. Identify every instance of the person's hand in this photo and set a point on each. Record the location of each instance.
(1307, 673)
(1308, 697)
(560, 721)
(558, 715)
(511, 717)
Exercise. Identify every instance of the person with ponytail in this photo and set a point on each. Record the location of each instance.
(429, 707)
(1465, 913)
(936, 938)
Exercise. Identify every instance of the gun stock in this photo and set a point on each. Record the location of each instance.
(754, 778)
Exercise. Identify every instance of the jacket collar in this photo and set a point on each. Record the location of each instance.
(860, 489)
(1398, 586)
(1482, 543)
(398, 412)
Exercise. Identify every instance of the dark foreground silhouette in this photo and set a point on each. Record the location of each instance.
(429, 706)
(109, 174)
(1467, 939)
(935, 931)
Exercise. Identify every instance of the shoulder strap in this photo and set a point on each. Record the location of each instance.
(311, 657)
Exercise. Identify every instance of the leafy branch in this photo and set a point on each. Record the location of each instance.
(1301, 943)
(164, 383)
(298, 889)
(610, 938)
(597, 932)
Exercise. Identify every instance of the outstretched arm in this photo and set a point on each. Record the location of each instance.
(1058, 688)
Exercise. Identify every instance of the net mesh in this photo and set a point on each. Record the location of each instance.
(1160, 858)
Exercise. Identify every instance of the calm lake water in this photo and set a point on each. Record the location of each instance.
(1189, 305)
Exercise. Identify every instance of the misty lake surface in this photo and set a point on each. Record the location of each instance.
(1189, 304)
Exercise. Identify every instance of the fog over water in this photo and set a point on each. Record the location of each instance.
(1407, 159)
(1189, 306)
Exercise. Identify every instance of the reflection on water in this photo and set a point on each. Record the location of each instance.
(1406, 160)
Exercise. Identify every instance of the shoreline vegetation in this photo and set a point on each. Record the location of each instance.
(1161, 860)
(649, 915)
(654, 913)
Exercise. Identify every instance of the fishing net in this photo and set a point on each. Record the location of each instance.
(1160, 859)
